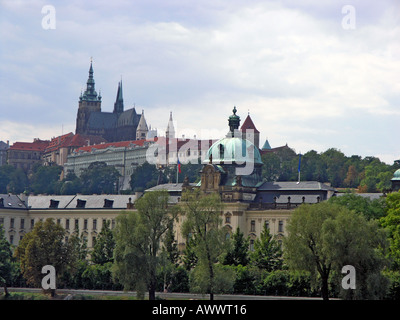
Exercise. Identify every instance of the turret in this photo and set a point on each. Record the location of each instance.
(142, 128)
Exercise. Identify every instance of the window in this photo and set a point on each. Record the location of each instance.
(54, 203)
(1, 221)
(76, 224)
(267, 224)
(94, 224)
(108, 203)
(85, 224)
(253, 226)
(251, 245)
(80, 203)
(228, 219)
(11, 239)
(280, 227)
(22, 224)
(67, 224)
(32, 223)
(12, 223)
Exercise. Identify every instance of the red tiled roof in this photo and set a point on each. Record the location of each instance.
(248, 124)
(111, 144)
(71, 140)
(36, 145)
(80, 140)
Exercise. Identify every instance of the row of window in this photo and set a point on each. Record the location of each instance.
(67, 225)
(253, 224)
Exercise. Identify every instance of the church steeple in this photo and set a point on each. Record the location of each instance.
(119, 101)
(170, 133)
(90, 93)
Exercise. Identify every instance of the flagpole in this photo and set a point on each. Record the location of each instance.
(299, 167)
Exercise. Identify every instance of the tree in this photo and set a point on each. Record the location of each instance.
(371, 209)
(203, 221)
(44, 245)
(145, 176)
(238, 253)
(44, 179)
(267, 252)
(391, 221)
(71, 185)
(5, 261)
(103, 249)
(335, 166)
(351, 180)
(100, 178)
(12, 180)
(138, 237)
(325, 237)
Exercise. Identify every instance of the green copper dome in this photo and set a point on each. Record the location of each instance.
(233, 150)
(396, 175)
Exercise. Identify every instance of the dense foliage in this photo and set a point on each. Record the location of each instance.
(367, 174)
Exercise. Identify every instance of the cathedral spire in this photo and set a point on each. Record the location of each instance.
(90, 93)
(119, 101)
(170, 133)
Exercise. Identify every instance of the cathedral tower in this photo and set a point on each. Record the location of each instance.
(89, 102)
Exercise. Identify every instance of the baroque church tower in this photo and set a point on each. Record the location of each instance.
(89, 102)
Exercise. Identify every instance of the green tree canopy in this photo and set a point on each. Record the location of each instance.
(103, 249)
(145, 176)
(239, 250)
(391, 221)
(45, 179)
(267, 252)
(325, 237)
(100, 178)
(138, 237)
(44, 245)
(202, 221)
(371, 209)
(5, 261)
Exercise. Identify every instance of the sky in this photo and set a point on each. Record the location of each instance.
(312, 74)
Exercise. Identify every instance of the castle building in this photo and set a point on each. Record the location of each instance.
(119, 125)
(24, 155)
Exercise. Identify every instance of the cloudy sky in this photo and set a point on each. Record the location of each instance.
(313, 74)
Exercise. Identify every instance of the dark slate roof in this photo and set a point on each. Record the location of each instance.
(41, 202)
(11, 201)
(170, 187)
(294, 186)
(371, 196)
(128, 118)
(100, 120)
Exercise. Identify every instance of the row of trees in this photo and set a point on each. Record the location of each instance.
(97, 178)
(141, 252)
(368, 174)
